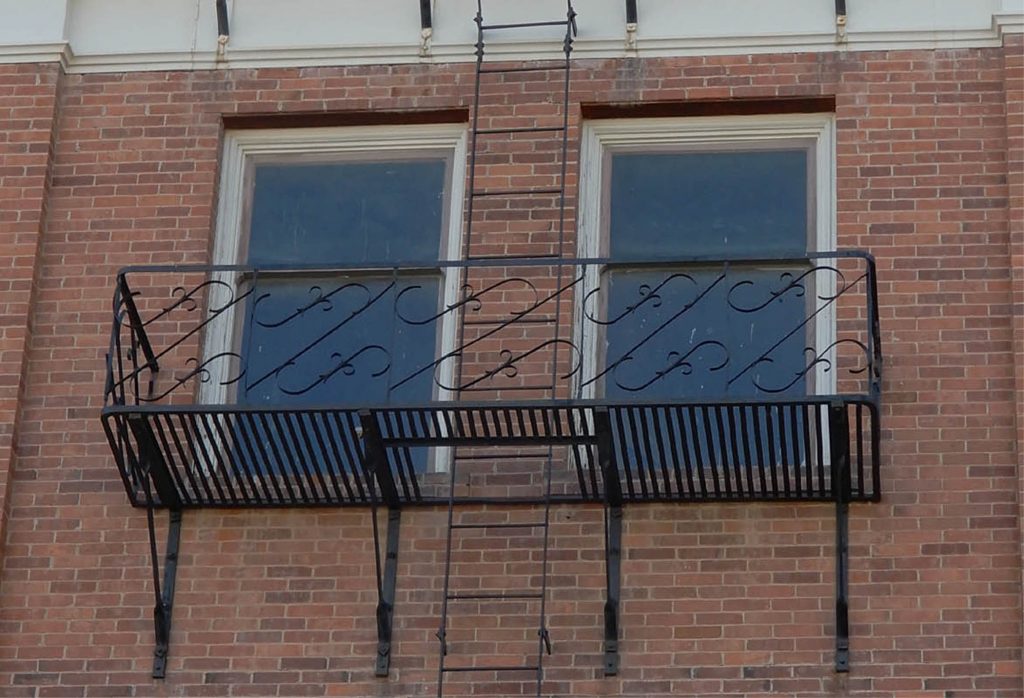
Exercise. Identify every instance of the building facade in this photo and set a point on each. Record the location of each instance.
(308, 133)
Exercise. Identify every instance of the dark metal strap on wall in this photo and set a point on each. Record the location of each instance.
(612, 538)
(375, 462)
(165, 600)
(631, 24)
(631, 11)
(841, 18)
(613, 571)
(839, 437)
(150, 466)
(386, 586)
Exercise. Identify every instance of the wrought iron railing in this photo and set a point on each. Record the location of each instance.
(717, 376)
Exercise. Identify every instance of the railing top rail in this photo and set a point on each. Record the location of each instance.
(532, 261)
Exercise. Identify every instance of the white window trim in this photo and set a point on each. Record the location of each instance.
(240, 146)
(602, 135)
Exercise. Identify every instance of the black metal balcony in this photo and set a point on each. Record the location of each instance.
(534, 356)
(691, 380)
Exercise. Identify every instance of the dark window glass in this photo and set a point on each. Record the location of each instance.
(701, 328)
(348, 212)
(715, 332)
(708, 203)
(342, 339)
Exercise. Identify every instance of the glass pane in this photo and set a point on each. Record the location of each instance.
(707, 203)
(337, 341)
(706, 334)
(349, 212)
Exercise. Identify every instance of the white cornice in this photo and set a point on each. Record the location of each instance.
(37, 53)
(596, 48)
(1008, 23)
(291, 57)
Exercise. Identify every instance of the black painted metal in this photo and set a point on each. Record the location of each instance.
(612, 537)
(839, 425)
(840, 9)
(631, 12)
(222, 18)
(376, 458)
(426, 21)
(499, 427)
(165, 597)
(613, 573)
(688, 282)
(386, 592)
(197, 475)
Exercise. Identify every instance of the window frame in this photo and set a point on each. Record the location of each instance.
(244, 148)
(601, 138)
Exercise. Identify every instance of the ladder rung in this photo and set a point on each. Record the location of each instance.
(497, 596)
(517, 192)
(524, 25)
(522, 129)
(527, 69)
(512, 257)
(529, 524)
(489, 668)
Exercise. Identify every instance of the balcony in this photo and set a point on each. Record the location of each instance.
(515, 381)
(306, 387)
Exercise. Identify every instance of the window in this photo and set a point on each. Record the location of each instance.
(707, 188)
(664, 202)
(340, 232)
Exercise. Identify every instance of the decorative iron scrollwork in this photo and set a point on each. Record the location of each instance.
(324, 302)
(677, 362)
(814, 359)
(472, 301)
(344, 365)
(201, 373)
(512, 314)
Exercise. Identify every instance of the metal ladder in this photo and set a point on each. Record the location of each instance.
(537, 596)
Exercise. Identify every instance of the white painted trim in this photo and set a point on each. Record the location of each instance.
(449, 140)
(599, 136)
(59, 52)
(298, 56)
(305, 56)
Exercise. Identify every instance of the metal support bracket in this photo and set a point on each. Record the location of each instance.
(613, 571)
(839, 436)
(151, 468)
(376, 466)
(612, 539)
(376, 462)
(631, 25)
(223, 28)
(386, 602)
(426, 27)
(841, 20)
(165, 604)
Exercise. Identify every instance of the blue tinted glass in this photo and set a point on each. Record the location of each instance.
(347, 212)
(337, 341)
(710, 335)
(705, 334)
(340, 341)
(690, 204)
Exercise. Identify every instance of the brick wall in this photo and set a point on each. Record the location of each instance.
(734, 599)
(28, 102)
